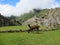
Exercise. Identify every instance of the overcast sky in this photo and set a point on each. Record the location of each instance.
(18, 7)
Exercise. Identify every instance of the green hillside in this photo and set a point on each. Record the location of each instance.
(8, 21)
(11, 21)
(36, 12)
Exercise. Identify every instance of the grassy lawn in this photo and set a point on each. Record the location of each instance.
(18, 28)
(14, 28)
(23, 38)
(44, 38)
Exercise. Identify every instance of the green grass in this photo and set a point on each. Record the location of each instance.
(44, 38)
(14, 28)
(18, 28)
(23, 38)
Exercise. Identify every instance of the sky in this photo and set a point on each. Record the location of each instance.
(18, 7)
(10, 2)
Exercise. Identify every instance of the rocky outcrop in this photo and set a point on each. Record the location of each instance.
(51, 19)
(31, 21)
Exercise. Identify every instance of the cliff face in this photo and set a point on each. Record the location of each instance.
(50, 19)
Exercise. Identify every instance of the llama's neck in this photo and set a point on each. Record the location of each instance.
(29, 25)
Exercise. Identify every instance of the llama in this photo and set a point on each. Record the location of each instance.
(33, 27)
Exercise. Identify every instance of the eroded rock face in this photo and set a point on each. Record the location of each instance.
(52, 19)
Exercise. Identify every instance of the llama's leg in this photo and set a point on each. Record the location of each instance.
(38, 30)
(29, 31)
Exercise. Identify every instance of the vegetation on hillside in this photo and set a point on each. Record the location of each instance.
(25, 17)
(8, 21)
(14, 20)
(36, 12)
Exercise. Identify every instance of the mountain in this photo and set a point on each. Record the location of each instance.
(50, 18)
(4, 21)
(31, 21)
(36, 12)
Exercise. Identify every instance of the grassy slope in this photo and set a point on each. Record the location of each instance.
(43, 12)
(44, 38)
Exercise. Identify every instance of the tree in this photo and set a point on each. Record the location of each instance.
(36, 10)
(12, 17)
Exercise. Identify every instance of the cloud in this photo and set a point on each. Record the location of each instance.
(25, 6)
